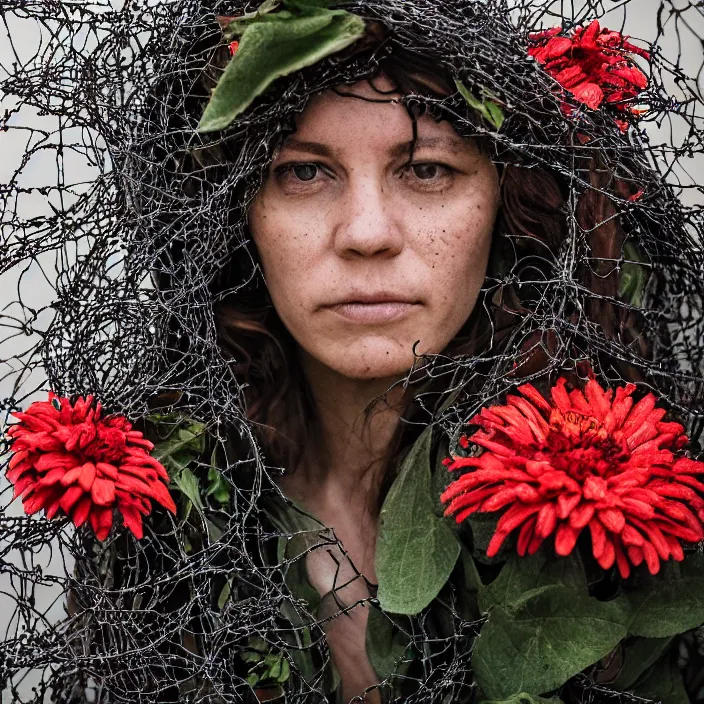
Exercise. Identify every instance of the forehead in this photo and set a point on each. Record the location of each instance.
(358, 116)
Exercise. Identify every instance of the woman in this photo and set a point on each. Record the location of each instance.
(402, 212)
(384, 233)
(347, 215)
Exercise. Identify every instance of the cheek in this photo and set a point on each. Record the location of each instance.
(460, 241)
(286, 248)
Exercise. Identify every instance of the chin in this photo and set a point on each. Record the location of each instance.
(376, 361)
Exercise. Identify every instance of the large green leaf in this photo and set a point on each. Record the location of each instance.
(537, 643)
(274, 45)
(185, 436)
(521, 574)
(641, 654)
(664, 683)
(178, 442)
(416, 550)
(386, 643)
(469, 587)
(671, 602)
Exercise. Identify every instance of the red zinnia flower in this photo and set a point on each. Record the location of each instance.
(593, 64)
(591, 459)
(66, 457)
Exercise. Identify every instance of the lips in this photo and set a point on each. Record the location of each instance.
(373, 313)
(379, 297)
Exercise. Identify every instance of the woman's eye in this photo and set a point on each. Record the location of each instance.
(306, 172)
(303, 171)
(430, 171)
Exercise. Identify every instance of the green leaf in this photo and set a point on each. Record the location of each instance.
(633, 276)
(641, 653)
(285, 671)
(215, 531)
(496, 114)
(301, 532)
(524, 698)
(187, 484)
(299, 641)
(521, 574)
(486, 106)
(538, 643)
(263, 9)
(441, 478)
(468, 587)
(225, 593)
(664, 683)
(385, 643)
(473, 102)
(218, 486)
(483, 527)
(416, 550)
(185, 441)
(668, 604)
(472, 580)
(274, 663)
(276, 45)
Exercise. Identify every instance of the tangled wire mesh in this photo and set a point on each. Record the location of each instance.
(138, 252)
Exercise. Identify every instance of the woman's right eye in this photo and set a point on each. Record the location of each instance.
(303, 171)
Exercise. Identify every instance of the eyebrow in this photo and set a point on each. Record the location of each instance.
(454, 143)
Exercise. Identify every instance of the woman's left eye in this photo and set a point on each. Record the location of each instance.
(428, 171)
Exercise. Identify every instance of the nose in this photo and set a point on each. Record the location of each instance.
(368, 223)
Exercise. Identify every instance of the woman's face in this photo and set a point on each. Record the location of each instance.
(341, 219)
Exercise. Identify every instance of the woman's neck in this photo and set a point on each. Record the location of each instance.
(347, 453)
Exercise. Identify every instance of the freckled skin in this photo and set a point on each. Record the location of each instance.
(361, 221)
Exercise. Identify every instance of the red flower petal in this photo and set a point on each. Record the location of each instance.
(87, 476)
(52, 477)
(596, 65)
(566, 503)
(590, 94)
(651, 558)
(608, 556)
(624, 567)
(103, 492)
(132, 519)
(68, 458)
(612, 519)
(565, 539)
(497, 540)
(588, 459)
(81, 511)
(547, 520)
(525, 536)
(536, 398)
(581, 515)
(70, 497)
